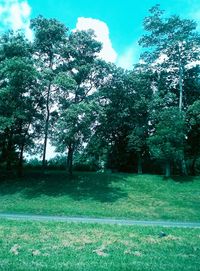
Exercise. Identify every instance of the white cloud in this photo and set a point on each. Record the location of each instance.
(16, 15)
(126, 59)
(102, 34)
(1, 10)
(129, 57)
(25, 9)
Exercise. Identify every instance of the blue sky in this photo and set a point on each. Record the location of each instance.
(118, 22)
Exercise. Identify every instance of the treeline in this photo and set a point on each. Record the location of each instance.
(56, 88)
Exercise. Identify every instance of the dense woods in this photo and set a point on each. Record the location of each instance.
(56, 88)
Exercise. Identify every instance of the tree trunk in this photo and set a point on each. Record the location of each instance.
(183, 164)
(167, 169)
(180, 80)
(192, 169)
(20, 164)
(45, 144)
(9, 154)
(139, 165)
(183, 167)
(8, 165)
(46, 129)
(70, 158)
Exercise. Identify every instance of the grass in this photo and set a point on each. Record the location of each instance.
(64, 246)
(103, 195)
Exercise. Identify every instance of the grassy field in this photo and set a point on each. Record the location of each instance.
(103, 195)
(64, 246)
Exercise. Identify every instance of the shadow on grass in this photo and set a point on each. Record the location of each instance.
(81, 186)
(183, 179)
(180, 179)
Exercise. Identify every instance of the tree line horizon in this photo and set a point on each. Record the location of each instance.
(56, 88)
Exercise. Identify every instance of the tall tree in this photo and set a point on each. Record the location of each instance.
(115, 117)
(79, 80)
(19, 96)
(124, 117)
(173, 44)
(138, 105)
(50, 37)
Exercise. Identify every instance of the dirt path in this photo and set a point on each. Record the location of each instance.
(99, 220)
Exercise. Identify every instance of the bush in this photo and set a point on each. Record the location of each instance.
(58, 162)
(33, 163)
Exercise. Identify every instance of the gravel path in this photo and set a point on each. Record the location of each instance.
(99, 220)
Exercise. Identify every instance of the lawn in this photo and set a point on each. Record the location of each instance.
(103, 195)
(50, 246)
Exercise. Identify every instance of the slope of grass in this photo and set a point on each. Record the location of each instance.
(63, 246)
(103, 195)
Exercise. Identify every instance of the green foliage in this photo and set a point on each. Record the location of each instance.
(194, 114)
(167, 141)
(173, 45)
(193, 140)
(19, 97)
(57, 162)
(33, 163)
(57, 88)
(14, 45)
(76, 104)
(82, 50)
(73, 125)
(49, 35)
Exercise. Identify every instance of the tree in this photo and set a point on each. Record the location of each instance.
(138, 105)
(114, 122)
(193, 139)
(19, 97)
(81, 76)
(166, 143)
(124, 117)
(173, 45)
(73, 128)
(50, 38)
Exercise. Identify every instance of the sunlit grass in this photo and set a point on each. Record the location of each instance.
(67, 246)
(103, 195)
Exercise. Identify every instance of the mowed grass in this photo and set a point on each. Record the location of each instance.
(54, 246)
(103, 195)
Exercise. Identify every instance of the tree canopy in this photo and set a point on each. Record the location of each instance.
(56, 89)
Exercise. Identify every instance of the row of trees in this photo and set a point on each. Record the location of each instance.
(56, 88)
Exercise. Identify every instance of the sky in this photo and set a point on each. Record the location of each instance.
(118, 24)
